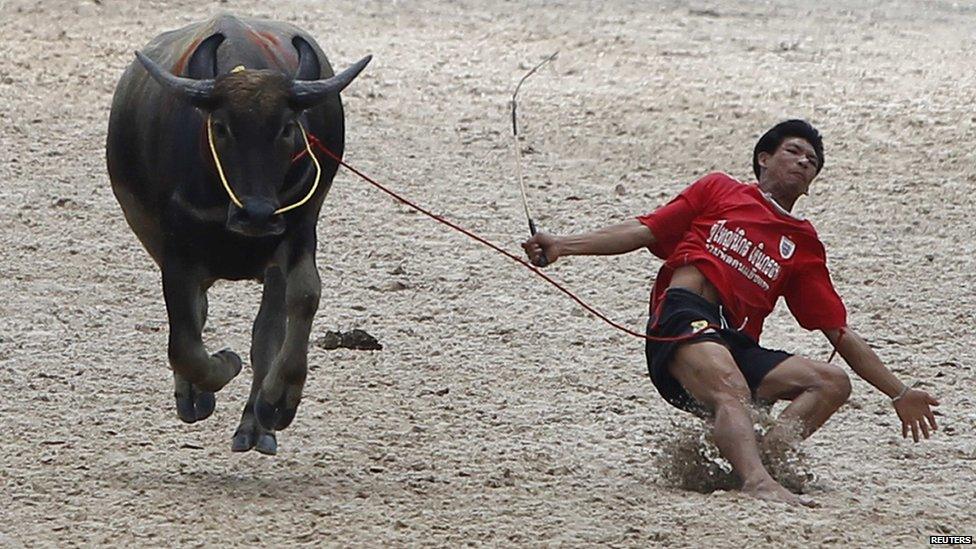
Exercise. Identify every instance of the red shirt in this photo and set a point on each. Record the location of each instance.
(749, 248)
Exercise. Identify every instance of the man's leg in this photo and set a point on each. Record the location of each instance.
(817, 390)
(707, 371)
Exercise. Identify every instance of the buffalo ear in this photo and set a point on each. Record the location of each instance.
(308, 62)
(203, 63)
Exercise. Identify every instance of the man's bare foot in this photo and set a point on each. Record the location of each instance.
(770, 490)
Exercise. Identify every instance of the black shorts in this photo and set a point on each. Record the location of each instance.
(675, 317)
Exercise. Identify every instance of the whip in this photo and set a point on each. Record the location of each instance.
(542, 260)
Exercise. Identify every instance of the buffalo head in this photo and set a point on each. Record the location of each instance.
(253, 118)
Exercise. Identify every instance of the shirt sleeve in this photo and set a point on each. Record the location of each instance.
(670, 222)
(811, 296)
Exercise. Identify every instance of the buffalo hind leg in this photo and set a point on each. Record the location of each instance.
(197, 375)
(281, 391)
(266, 338)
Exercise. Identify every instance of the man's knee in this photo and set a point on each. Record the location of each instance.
(832, 382)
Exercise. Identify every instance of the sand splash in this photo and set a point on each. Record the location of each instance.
(690, 459)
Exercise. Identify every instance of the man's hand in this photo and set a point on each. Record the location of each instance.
(614, 239)
(912, 406)
(542, 243)
(913, 410)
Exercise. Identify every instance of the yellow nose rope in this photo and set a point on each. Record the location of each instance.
(230, 192)
(318, 174)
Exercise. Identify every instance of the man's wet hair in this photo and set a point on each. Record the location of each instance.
(772, 139)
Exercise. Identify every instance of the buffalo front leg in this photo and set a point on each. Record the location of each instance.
(196, 374)
(266, 338)
(281, 391)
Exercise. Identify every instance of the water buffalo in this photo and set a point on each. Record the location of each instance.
(204, 152)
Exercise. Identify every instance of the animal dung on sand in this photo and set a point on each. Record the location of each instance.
(355, 339)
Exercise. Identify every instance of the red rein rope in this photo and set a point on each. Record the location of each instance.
(840, 336)
(318, 144)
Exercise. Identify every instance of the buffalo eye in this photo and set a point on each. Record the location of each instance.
(220, 130)
(287, 130)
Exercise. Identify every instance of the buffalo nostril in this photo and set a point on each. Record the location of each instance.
(256, 218)
(258, 212)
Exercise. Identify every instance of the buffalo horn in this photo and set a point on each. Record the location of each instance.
(308, 93)
(197, 92)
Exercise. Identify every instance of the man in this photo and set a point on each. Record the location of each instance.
(731, 250)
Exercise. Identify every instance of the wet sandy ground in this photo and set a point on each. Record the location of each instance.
(497, 412)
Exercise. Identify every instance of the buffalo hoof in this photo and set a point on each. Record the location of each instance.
(251, 436)
(197, 407)
(205, 403)
(192, 403)
(267, 444)
(185, 409)
(274, 417)
(264, 443)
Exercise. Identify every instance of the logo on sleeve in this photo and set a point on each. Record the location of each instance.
(786, 247)
(699, 325)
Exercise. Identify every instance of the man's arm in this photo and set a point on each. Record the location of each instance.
(615, 239)
(912, 405)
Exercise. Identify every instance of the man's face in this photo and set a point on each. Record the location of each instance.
(794, 164)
